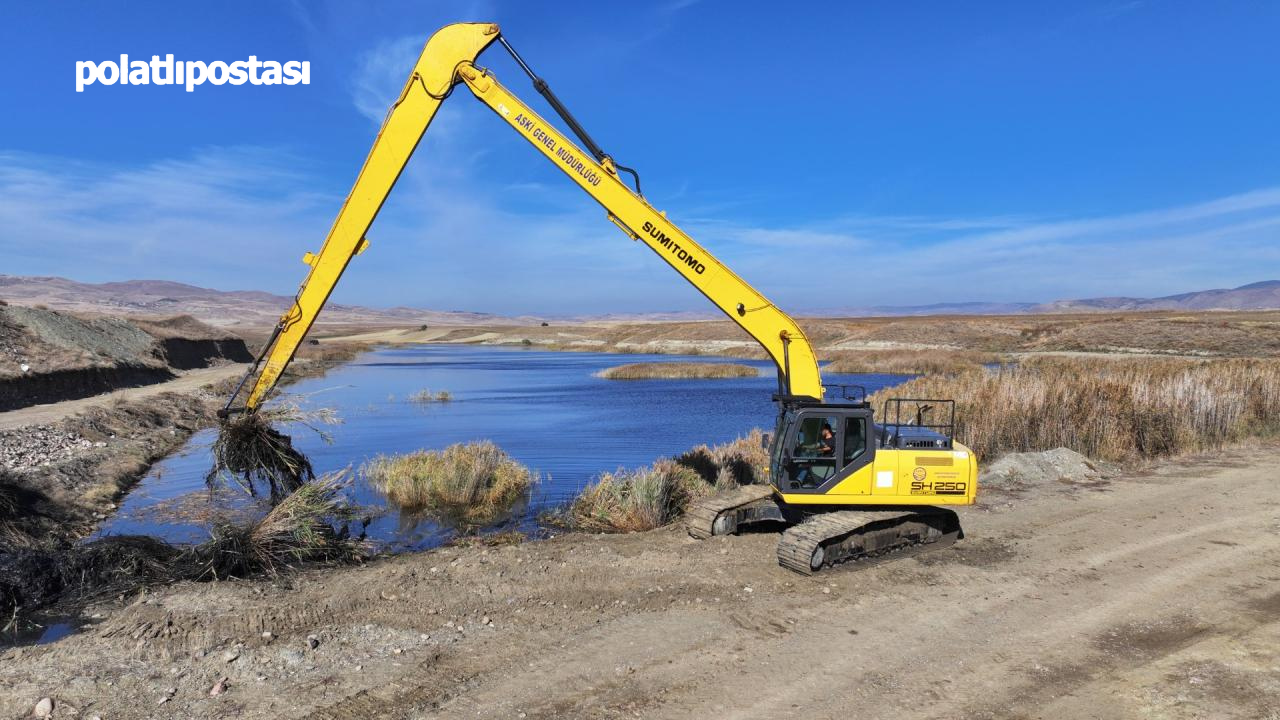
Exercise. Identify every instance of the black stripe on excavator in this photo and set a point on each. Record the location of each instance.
(545, 91)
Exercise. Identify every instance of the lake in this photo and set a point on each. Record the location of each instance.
(546, 409)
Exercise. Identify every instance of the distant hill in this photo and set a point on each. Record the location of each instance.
(1255, 296)
(217, 307)
(259, 309)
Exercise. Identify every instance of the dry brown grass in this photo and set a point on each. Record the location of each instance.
(653, 496)
(742, 461)
(1119, 410)
(677, 370)
(636, 500)
(916, 362)
(298, 530)
(472, 484)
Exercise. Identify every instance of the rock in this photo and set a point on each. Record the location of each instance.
(267, 636)
(230, 655)
(218, 687)
(44, 708)
(313, 642)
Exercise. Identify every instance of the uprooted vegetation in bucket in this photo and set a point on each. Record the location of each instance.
(250, 451)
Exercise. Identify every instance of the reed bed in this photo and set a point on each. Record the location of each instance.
(677, 371)
(650, 497)
(636, 500)
(1117, 409)
(743, 461)
(910, 362)
(471, 484)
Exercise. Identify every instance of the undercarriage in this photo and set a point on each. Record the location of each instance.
(818, 539)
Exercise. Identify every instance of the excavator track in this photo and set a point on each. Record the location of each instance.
(865, 537)
(701, 516)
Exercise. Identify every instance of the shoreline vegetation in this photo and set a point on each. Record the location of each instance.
(677, 371)
(656, 495)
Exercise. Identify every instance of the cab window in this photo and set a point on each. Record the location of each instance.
(813, 451)
(816, 438)
(855, 439)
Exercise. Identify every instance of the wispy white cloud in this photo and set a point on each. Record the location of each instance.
(204, 217)
(1221, 242)
(449, 238)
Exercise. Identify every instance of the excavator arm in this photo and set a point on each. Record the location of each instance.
(449, 59)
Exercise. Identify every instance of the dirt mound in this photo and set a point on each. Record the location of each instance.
(43, 341)
(48, 356)
(1062, 467)
(182, 326)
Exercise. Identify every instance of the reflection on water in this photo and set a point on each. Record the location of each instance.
(546, 409)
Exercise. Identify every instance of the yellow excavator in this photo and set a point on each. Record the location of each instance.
(848, 487)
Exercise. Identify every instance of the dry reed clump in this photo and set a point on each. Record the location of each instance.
(677, 370)
(250, 451)
(298, 530)
(743, 461)
(912, 362)
(427, 397)
(636, 500)
(1118, 410)
(471, 484)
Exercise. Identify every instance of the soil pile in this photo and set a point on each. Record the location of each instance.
(1017, 473)
(48, 356)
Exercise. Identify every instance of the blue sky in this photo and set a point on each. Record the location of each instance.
(838, 155)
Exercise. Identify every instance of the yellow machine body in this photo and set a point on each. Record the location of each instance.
(905, 476)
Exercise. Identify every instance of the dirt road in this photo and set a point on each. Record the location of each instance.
(1154, 596)
(186, 382)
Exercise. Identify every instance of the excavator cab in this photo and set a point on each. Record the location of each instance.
(816, 447)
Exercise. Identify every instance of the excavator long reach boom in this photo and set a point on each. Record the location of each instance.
(448, 59)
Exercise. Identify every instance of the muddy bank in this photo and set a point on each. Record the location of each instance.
(1126, 602)
(74, 470)
(72, 384)
(58, 480)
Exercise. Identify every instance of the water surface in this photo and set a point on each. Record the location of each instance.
(546, 409)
